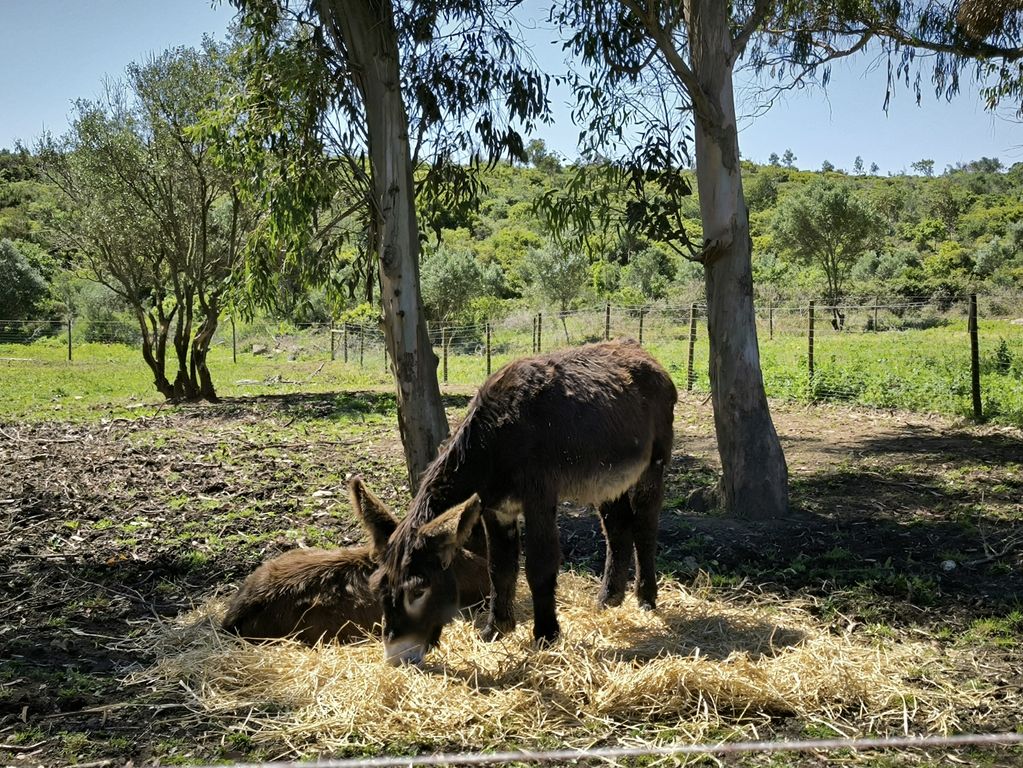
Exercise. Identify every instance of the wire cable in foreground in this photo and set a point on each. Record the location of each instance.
(611, 753)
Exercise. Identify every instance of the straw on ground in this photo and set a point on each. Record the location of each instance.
(701, 666)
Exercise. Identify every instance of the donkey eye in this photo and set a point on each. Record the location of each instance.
(415, 593)
(414, 596)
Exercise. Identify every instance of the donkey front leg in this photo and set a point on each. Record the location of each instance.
(543, 559)
(503, 552)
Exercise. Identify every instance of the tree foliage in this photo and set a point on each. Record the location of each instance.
(828, 225)
(22, 288)
(452, 278)
(147, 213)
(303, 141)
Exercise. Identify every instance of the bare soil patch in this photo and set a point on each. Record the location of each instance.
(902, 527)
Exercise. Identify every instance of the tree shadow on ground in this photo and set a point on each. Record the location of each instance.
(339, 405)
(949, 446)
(902, 535)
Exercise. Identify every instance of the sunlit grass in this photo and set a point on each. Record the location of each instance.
(920, 370)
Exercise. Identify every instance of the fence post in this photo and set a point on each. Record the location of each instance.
(488, 348)
(362, 344)
(444, 350)
(333, 350)
(809, 357)
(533, 350)
(641, 313)
(770, 317)
(234, 342)
(607, 321)
(69, 337)
(692, 347)
(978, 411)
(539, 332)
(875, 314)
(344, 341)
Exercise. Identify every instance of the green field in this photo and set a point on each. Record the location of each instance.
(923, 370)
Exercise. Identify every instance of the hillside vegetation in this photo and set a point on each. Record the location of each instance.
(828, 234)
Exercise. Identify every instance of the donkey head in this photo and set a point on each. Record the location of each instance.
(414, 580)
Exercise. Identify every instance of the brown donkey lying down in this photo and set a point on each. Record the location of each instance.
(314, 594)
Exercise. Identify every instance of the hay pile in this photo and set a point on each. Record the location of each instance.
(700, 666)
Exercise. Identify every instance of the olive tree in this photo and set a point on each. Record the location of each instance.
(557, 277)
(146, 212)
(827, 225)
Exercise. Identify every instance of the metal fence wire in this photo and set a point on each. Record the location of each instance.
(616, 755)
(915, 354)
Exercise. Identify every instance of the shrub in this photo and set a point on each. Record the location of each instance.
(22, 288)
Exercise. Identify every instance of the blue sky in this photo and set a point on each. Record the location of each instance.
(54, 51)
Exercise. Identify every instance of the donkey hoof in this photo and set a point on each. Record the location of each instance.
(545, 638)
(495, 629)
(647, 605)
(609, 599)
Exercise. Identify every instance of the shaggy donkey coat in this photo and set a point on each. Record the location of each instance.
(592, 424)
(318, 594)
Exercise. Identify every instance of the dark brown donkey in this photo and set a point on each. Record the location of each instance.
(314, 594)
(592, 424)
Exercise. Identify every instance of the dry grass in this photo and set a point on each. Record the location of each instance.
(703, 666)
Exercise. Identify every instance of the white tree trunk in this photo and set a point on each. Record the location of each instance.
(367, 29)
(754, 480)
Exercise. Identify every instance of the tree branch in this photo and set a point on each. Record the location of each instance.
(761, 10)
(666, 45)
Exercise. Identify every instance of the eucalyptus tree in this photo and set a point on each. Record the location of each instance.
(404, 101)
(145, 210)
(632, 50)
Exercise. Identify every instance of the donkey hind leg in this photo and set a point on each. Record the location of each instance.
(618, 521)
(647, 499)
(543, 560)
(503, 553)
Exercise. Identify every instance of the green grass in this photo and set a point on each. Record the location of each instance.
(918, 370)
(923, 370)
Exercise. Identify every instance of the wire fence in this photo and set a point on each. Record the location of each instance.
(612, 755)
(913, 354)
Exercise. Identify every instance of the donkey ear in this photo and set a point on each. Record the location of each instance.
(376, 518)
(448, 533)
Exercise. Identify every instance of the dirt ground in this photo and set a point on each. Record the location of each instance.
(908, 522)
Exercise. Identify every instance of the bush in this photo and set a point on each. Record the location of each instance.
(22, 288)
(451, 279)
(101, 316)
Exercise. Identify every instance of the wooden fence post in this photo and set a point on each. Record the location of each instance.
(444, 350)
(692, 347)
(488, 348)
(234, 342)
(607, 321)
(978, 410)
(362, 344)
(809, 358)
(875, 314)
(539, 332)
(533, 350)
(641, 313)
(69, 338)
